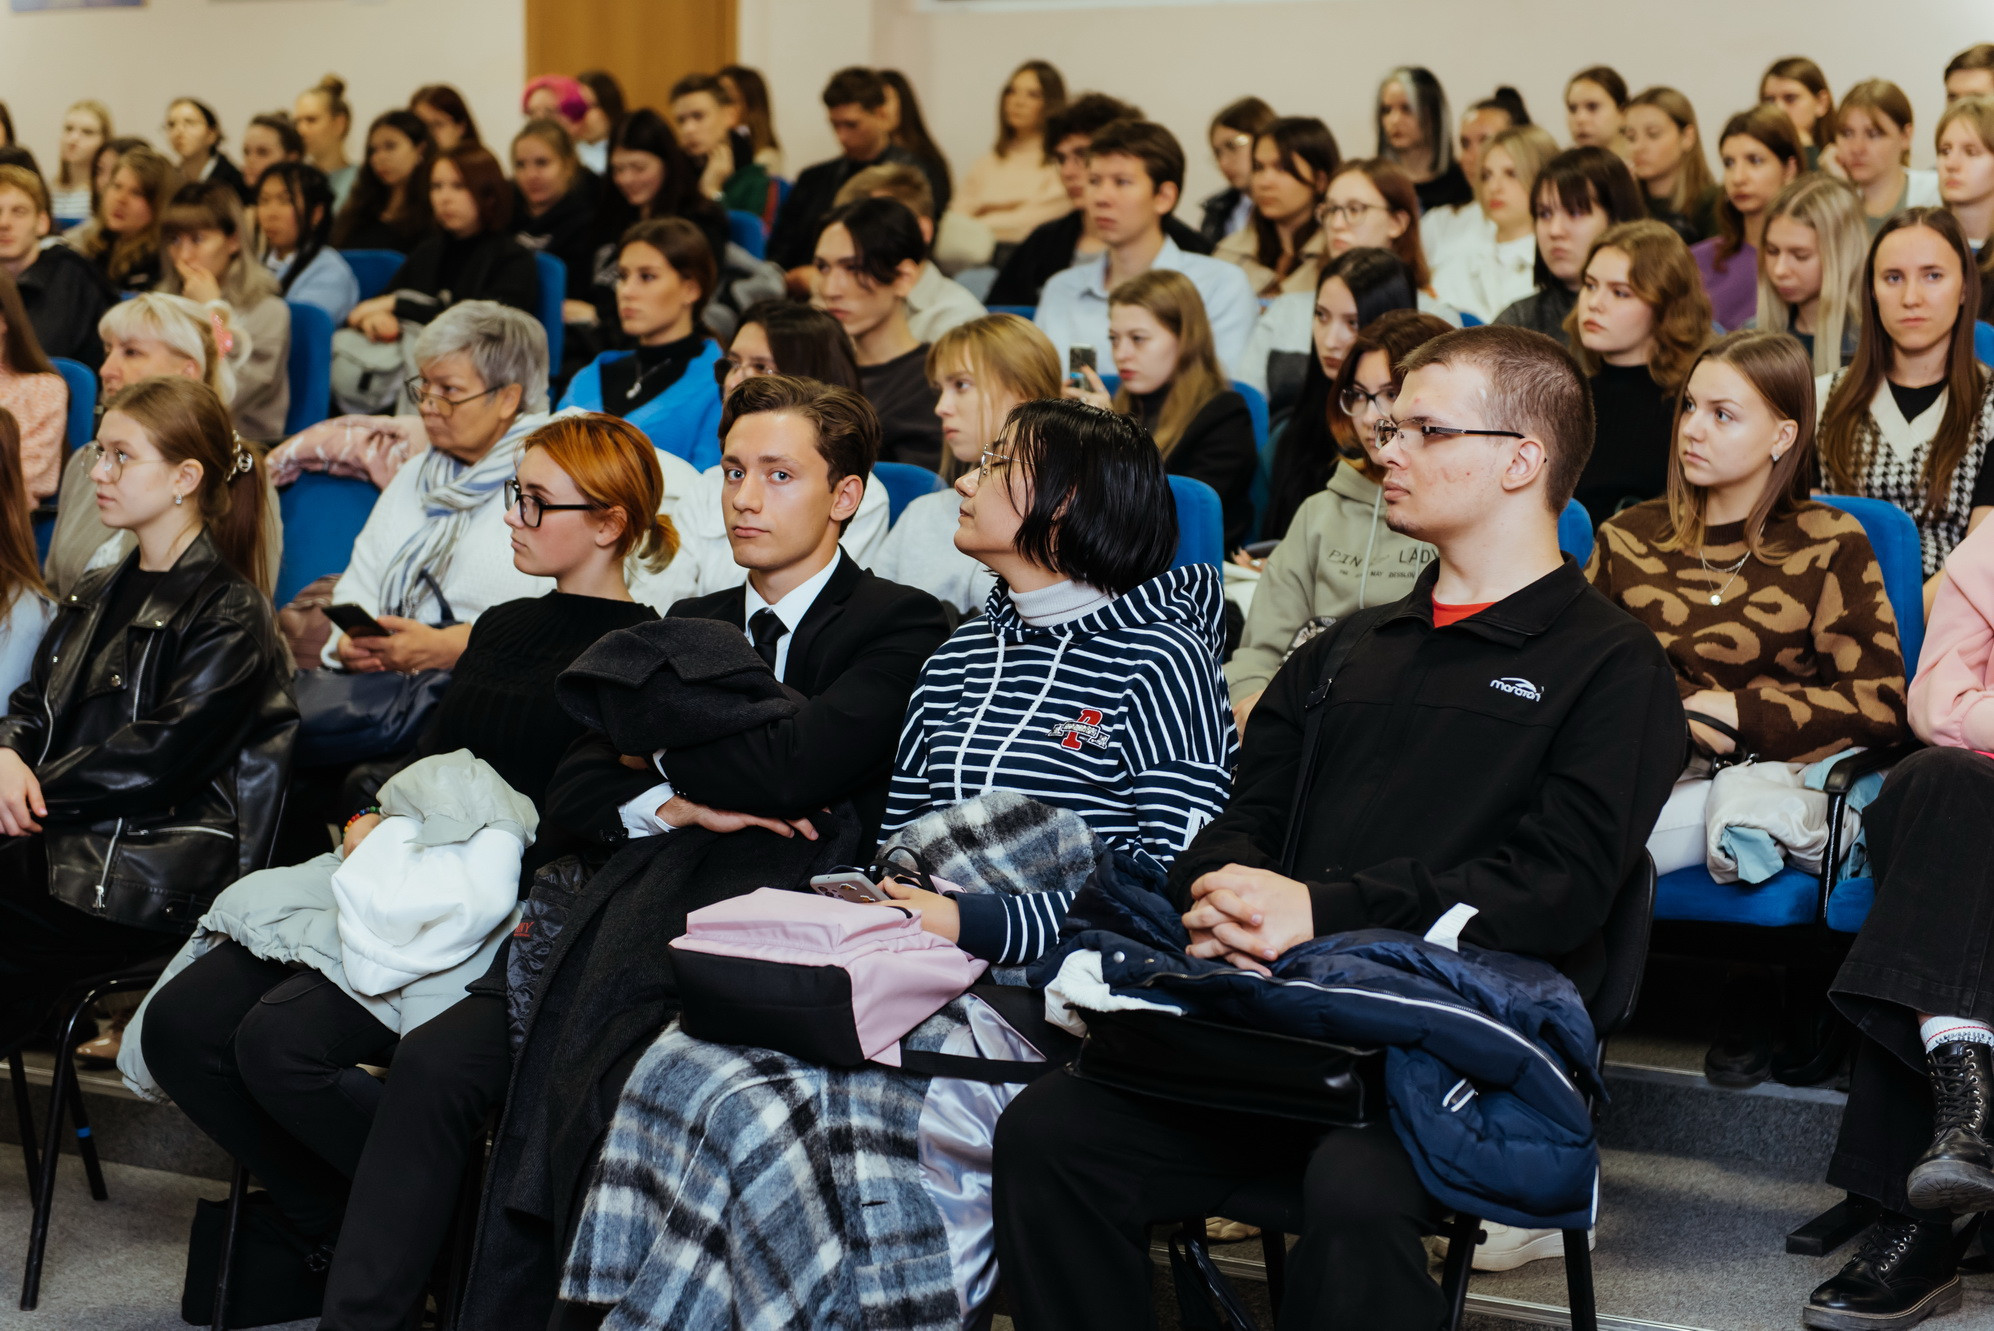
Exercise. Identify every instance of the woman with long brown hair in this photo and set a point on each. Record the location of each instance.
(1873, 133)
(1015, 186)
(1171, 383)
(35, 394)
(1797, 86)
(205, 236)
(1282, 246)
(1760, 155)
(1640, 322)
(750, 92)
(25, 607)
(143, 763)
(1665, 152)
(1910, 419)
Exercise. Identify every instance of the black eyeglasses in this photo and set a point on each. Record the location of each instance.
(1387, 431)
(1354, 398)
(531, 509)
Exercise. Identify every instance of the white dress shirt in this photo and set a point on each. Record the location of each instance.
(1073, 307)
(640, 815)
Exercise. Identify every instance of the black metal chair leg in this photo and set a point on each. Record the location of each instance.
(86, 1143)
(1578, 1280)
(31, 1277)
(24, 1119)
(238, 1186)
(1462, 1236)
(1833, 1227)
(1274, 1252)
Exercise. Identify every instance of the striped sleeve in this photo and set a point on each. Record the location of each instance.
(1181, 743)
(909, 796)
(1010, 930)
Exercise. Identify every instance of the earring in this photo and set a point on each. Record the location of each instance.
(179, 500)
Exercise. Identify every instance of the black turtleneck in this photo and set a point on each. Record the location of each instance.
(1630, 454)
(649, 370)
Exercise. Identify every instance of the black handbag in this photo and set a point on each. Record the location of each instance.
(1215, 1066)
(348, 718)
(277, 1275)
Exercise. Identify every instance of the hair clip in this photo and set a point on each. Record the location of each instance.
(224, 339)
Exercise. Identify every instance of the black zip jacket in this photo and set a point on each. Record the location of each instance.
(1515, 761)
(444, 270)
(164, 755)
(567, 230)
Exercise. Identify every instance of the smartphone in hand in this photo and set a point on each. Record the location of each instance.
(1077, 360)
(849, 885)
(355, 622)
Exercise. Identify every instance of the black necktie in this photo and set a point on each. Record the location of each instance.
(766, 628)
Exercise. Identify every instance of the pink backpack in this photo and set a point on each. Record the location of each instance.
(833, 982)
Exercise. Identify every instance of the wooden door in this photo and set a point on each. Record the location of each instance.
(648, 44)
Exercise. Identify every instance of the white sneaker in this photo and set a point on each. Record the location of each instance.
(1508, 1247)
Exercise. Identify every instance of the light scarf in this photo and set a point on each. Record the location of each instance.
(451, 493)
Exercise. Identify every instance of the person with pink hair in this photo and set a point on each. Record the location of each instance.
(555, 97)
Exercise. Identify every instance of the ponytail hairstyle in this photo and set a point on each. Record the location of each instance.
(1844, 439)
(1834, 212)
(186, 422)
(615, 467)
(1778, 370)
(20, 574)
(310, 196)
(1799, 69)
(1664, 276)
(1693, 179)
(1197, 379)
(1773, 129)
(1506, 100)
(333, 89)
(205, 334)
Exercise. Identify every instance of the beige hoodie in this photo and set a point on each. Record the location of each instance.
(1338, 556)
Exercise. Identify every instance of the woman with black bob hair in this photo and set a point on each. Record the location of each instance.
(1356, 288)
(1577, 196)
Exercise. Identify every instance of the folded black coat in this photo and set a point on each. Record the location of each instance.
(673, 683)
(607, 991)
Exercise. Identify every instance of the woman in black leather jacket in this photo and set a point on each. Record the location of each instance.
(143, 763)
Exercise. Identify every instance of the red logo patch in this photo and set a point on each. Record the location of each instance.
(1087, 730)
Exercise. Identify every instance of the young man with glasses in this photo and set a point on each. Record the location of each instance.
(797, 454)
(1501, 740)
(1135, 170)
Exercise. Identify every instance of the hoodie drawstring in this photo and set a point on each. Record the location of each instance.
(1052, 673)
(1370, 544)
(996, 677)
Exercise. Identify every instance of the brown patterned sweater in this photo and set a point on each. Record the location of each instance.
(1808, 644)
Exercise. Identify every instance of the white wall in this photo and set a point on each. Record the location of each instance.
(247, 56)
(1182, 62)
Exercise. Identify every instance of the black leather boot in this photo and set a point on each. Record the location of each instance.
(1956, 1172)
(1903, 1274)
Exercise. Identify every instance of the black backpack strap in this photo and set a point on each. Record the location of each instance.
(1347, 636)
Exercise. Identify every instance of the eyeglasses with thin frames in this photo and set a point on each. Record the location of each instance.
(990, 461)
(723, 369)
(419, 392)
(1386, 432)
(113, 460)
(532, 509)
(1327, 213)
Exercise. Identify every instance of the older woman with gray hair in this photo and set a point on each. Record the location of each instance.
(435, 552)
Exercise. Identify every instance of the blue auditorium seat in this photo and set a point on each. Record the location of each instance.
(309, 367)
(373, 269)
(553, 290)
(904, 483)
(1200, 523)
(747, 231)
(323, 515)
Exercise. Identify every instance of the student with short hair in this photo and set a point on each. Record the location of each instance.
(1358, 288)
(1282, 245)
(1579, 194)
(981, 370)
(1910, 420)
(869, 257)
(1966, 180)
(387, 206)
(938, 302)
(63, 292)
(1797, 86)
(294, 228)
(1490, 272)
(1232, 134)
(1760, 156)
(665, 385)
(1135, 170)
(709, 129)
(1971, 73)
(1596, 109)
(856, 102)
(1337, 553)
(205, 238)
(1171, 384)
(1484, 444)
(1640, 321)
(1053, 247)
(1873, 134)
(1016, 186)
(1415, 133)
(1810, 269)
(1665, 151)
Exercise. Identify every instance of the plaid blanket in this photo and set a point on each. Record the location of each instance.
(743, 1188)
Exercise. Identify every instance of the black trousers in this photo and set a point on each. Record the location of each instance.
(1081, 1172)
(46, 944)
(1927, 946)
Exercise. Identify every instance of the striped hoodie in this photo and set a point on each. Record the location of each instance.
(1120, 715)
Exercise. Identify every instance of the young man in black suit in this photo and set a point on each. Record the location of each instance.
(797, 454)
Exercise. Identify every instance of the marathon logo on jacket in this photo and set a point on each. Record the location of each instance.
(1086, 730)
(1518, 687)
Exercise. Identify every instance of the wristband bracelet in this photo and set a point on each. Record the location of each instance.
(371, 808)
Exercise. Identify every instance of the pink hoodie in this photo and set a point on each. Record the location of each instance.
(1952, 698)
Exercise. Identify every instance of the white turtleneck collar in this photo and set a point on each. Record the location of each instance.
(1059, 603)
